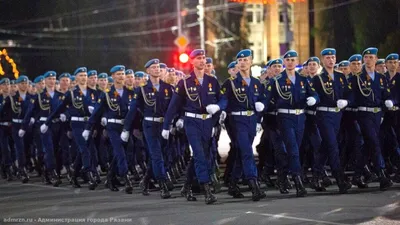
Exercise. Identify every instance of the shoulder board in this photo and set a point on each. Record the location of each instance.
(187, 77)
(231, 78)
(144, 84)
(359, 73)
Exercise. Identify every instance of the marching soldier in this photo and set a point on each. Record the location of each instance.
(199, 96)
(5, 131)
(334, 94)
(292, 93)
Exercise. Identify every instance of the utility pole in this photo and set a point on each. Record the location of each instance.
(288, 33)
(178, 14)
(200, 12)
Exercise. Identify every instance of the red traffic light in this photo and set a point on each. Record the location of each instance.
(183, 58)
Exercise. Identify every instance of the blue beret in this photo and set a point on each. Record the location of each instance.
(305, 64)
(196, 53)
(67, 75)
(163, 65)
(80, 70)
(328, 51)
(290, 54)
(102, 76)
(21, 79)
(72, 78)
(117, 68)
(92, 73)
(170, 70)
(179, 73)
(336, 66)
(244, 53)
(355, 57)
(151, 62)
(209, 60)
(380, 61)
(50, 74)
(12, 81)
(129, 72)
(344, 63)
(5, 81)
(275, 61)
(38, 79)
(314, 59)
(232, 65)
(139, 74)
(110, 80)
(393, 56)
(372, 51)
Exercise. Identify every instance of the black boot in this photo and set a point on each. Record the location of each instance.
(396, 177)
(268, 181)
(186, 192)
(9, 173)
(368, 175)
(257, 194)
(316, 184)
(3, 172)
(164, 193)
(55, 179)
(209, 197)
(135, 174)
(24, 176)
(110, 181)
(384, 182)
(288, 183)
(92, 182)
(128, 185)
(46, 177)
(75, 182)
(175, 171)
(69, 174)
(326, 181)
(169, 182)
(172, 175)
(144, 185)
(234, 190)
(359, 182)
(281, 184)
(342, 184)
(300, 190)
(215, 183)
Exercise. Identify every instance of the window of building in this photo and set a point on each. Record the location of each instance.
(250, 16)
(258, 17)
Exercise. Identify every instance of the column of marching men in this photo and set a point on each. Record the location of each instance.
(151, 126)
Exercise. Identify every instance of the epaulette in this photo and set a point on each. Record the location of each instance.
(231, 78)
(143, 84)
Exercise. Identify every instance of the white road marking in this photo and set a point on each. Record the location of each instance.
(225, 220)
(332, 211)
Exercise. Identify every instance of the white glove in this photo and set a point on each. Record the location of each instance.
(44, 128)
(311, 101)
(63, 117)
(179, 124)
(32, 121)
(341, 103)
(21, 133)
(90, 108)
(222, 117)
(213, 132)
(125, 136)
(212, 109)
(259, 106)
(165, 134)
(389, 104)
(103, 121)
(258, 127)
(85, 134)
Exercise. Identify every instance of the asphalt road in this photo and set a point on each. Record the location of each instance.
(37, 203)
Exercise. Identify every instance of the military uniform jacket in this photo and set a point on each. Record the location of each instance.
(241, 96)
(41, 105)
(394, 86)
(76, 102)
(5, 113)
(330, 90)
(288, 95)
(193, 97)
(368, 92)
(149, 101)
(17, 105)
(111, 106)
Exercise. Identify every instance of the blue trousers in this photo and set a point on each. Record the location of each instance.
(155, 143)
(370, 127)
(244, 128)
(292, 129)
(19, 146)
(84, 155)
(329, 125)
(198, 133)
(119, 157)
(4, 145)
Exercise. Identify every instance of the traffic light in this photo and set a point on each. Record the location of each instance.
(183, 57)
